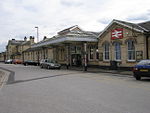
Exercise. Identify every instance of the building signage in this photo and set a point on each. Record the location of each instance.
(117, 33)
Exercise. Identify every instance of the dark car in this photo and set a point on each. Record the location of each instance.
(142, 69)
(49, 64)
(30, 62)
(9, 61)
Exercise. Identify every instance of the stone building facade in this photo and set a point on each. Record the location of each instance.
(67, 47)
(2, 56)
(123, 44)
(15, 48)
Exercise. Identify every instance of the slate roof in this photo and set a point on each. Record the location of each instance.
(26, 43)
(73, 33)
(19, 42)
(133, 25)
(15, 42)
(67, 30)
(145, 25)
(140, 27)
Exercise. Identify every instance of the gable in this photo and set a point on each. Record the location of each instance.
(121, 31)
(126, 31)
(70, 29)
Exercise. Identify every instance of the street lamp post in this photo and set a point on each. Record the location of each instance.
(37, 34)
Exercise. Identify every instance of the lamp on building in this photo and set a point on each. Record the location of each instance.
(37, 33)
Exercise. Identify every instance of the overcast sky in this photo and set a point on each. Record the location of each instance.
(18, 18)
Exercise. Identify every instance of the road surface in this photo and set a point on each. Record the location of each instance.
(30, 89)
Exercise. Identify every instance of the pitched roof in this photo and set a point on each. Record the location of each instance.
(133, 25)
(140, 27)
(15, 42)
(145, 25)
(26, 43)
(69, 34)
(67, 30)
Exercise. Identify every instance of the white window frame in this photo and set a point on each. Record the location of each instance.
(131, 60)
(117, 51)
(91, 47)
(104, 51)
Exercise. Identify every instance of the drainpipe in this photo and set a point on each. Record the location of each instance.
(147, 45)
(67, 64)
(85, 56)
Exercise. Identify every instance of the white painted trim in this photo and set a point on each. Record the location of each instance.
(131, 60)
(130, 27)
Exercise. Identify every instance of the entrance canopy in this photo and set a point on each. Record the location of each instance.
(74, 34)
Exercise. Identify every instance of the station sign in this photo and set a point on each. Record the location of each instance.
(117, 33)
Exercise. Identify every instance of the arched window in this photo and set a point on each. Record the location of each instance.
(106, 51)
(117, 51)
(131, 50)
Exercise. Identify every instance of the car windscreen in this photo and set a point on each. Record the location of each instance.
(144, 62)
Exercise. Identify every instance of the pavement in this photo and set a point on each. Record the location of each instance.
(99, 70)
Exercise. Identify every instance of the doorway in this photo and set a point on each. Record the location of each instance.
(76, 60)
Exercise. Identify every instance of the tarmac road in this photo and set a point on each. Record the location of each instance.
(30, 89)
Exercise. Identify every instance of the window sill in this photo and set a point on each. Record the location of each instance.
(131, 61)
(91, 60)
(106, 60)
(118, 60)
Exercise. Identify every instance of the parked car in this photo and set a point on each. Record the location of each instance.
(49, 64)
(9, 61)
(17, 61)
(142, 69)
(30, 62)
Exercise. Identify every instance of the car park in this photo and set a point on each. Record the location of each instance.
(142, 69)
(9, 61)
(30, 62)
(49, 64)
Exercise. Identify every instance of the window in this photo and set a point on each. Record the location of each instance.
(91, 52)
(97, 53)
(106, 51)
(61, 52)
(117, 51)
(131, 50)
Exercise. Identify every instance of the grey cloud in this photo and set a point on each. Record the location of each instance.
(104, 21)
(143, 17)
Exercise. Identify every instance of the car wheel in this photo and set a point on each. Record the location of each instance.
(138, 77)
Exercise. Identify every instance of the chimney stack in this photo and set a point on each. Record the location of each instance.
(44, 38)
(25, 38)
(32, 39)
